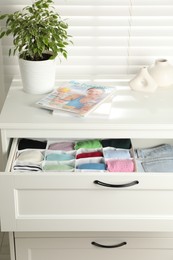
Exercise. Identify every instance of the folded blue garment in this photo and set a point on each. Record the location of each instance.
(59, 157)
(163, 150)
(158, 165)
(92, 166)
(118, 154)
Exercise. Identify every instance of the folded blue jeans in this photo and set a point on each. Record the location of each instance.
(163, 150)
(158, 165)
(156, 159)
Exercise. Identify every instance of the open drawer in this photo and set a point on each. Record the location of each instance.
(85, 201)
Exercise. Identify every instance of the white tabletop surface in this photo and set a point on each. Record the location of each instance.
(128, 110)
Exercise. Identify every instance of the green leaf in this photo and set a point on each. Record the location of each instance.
(8, 32)
(2, 34)
(65, 55)
(3, 16)
(36, 29)
(45, 41)
(64, 25)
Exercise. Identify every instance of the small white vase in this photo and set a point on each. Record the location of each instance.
(143, 81)
(38, 77)
(162, 73)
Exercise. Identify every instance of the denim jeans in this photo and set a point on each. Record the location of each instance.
(163, 150)
(158, 165)
(156, 159)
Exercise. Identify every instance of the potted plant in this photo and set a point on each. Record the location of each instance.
(39, 36)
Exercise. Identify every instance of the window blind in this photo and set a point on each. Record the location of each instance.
(150, 32)
(112, 38)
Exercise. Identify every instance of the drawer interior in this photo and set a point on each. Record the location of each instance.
(73, 155)
(93, 155)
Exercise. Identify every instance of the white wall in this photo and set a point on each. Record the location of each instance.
(2, 92)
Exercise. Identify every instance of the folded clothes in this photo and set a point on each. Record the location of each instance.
(59, 157)
(117, 143)
(158, 165)
(88, 144)
(64, 146)
(92, 166)
(57, 167)
(118, 154)
(27, 168)
(31, 144)
(30, 156)
(120, 166)
(89, 154)
(163, 150)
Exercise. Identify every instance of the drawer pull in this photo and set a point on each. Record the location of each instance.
(116, 185)
(111, 246)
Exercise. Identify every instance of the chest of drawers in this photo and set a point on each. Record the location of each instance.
(71, 210)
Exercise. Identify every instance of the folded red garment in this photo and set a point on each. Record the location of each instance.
(90, 154)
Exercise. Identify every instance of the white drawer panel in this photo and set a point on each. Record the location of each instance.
(65, 202)
(81, 248)
(51, 202)
(74, 202)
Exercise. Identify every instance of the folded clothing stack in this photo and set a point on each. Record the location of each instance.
(155, 159)
(112, 155)
(30, 155)
(74, 155)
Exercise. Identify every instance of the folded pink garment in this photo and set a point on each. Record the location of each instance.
(120, 165)
(64, 146)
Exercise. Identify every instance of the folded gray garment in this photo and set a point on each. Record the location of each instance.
(30, 156)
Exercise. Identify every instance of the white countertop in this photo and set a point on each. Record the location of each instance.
(128, 110)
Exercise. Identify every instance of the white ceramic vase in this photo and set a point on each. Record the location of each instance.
(38, 77)
(162, 73)
(143, 81)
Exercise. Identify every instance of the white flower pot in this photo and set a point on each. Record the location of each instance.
(143, 81)
(162, 73)
(38, 77)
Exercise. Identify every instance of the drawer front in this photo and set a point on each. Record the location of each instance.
(83, 248)
(63, 202)
(74, 201)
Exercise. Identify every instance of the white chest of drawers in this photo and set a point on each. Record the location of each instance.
(70, 209)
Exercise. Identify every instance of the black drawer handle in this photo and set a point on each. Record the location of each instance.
(111, 246)
(116, 185)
